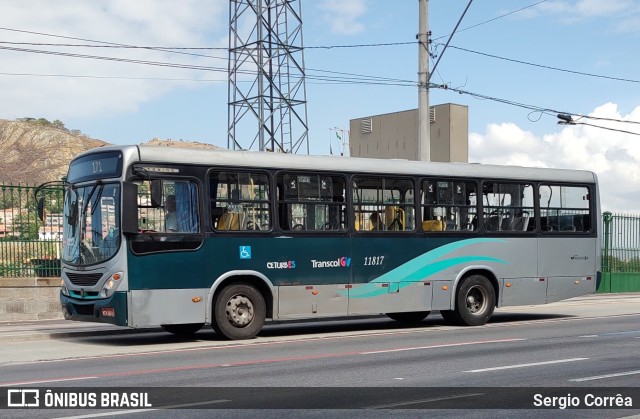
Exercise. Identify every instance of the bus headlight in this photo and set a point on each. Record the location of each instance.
(63, 288)
(111, 285)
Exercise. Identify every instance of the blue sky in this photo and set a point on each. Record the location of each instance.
(130, 103)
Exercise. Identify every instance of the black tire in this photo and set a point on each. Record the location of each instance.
(239, 312)
(183, 329)
(475, 301)
(451, 317)
(409, 317)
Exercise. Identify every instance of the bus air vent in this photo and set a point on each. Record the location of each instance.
(86, 280)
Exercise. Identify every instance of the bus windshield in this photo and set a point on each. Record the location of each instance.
(91, 223)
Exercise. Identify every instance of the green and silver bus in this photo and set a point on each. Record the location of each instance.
(182, 238)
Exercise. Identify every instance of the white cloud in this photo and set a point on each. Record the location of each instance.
(613, 156)
(342, 15)
(625, 12)
(141, 22)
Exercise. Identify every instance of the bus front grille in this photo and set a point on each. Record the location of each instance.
(84, 310)
(84, 280)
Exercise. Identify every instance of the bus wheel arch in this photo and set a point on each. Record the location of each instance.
(240, 306)
(475, 298)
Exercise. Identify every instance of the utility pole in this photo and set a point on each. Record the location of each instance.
(424, 119)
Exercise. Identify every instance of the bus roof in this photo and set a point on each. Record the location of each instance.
(268, 160)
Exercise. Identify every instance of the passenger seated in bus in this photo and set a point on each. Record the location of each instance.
(375, 223)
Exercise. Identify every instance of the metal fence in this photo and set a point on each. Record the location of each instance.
(29, 247)
(620, 253)
(621, 243)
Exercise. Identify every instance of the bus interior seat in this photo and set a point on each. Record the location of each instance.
(492, 223)
(233, 216)
(520, 223)
(433, 225)
(394, 217)
(229, 221)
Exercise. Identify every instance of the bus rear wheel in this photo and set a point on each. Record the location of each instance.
(239, 312)
(409, 317)
(475, 302)
(183, 329)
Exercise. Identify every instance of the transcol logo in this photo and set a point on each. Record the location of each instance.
(343, 262)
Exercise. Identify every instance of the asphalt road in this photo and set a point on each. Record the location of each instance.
(581, 346)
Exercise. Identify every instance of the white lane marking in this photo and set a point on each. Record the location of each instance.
(57, 380)
(128, 412)
(600, 377)
(435, 399)
(532, 364)
(446, 345)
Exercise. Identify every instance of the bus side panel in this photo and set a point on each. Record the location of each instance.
(390, 297)
(569, 266)
(175, 306)
(312, 301)
(523, 291)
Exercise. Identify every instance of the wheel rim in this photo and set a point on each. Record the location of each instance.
(476, 300)
(239, 310)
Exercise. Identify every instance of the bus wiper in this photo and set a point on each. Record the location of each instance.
(86, 203)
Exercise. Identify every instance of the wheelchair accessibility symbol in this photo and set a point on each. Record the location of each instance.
(245, 252)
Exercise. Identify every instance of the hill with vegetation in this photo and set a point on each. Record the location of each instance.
(34, 151)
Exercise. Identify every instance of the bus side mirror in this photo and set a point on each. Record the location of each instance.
(40, 208)
(156, 193)
(129, 208)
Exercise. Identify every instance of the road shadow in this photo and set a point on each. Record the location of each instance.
(284, 329)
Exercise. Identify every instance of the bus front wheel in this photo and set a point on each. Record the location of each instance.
(475, 302)
(239, 312)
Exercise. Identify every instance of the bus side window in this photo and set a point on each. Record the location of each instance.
(383, 204)
(449, 206)
(564, 209)
(241, 201)
(311, 202)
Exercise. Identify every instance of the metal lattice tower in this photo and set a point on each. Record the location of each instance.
(267, 95)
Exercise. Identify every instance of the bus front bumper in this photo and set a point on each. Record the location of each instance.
(111, 310)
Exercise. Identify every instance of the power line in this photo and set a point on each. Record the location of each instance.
(543, 110)
(581, 73)
(607, 128)
(495, 18)
(340, 78)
